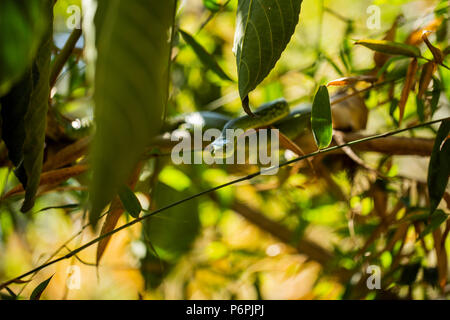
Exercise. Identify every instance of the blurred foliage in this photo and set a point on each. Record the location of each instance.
(310, 232)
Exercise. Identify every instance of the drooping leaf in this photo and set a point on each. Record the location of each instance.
(23, 23)
(37, 292)
(129, 201)
(407, 87)
(438, 55)
(439, 167)
(390, 47)
(131, 89)
(438, 218)
(420, 105)
(36, 117)
(321, 121)
(263, 30)
(204, 56)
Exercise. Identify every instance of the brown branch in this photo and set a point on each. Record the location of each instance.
(393, 145)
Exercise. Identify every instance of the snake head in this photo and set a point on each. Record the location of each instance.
(220, 148)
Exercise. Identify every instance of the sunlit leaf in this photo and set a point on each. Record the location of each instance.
(129, 201)
(390, 47)
(131, 89)
(263, 30)
(351, 81)
(439, 167)
(321, 121)
(205, 57)
(37, 292)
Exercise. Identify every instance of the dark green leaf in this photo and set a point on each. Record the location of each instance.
(321, 122)
(409, 273)
(131, 89)
(390, 47)
(438, 218)
(173, 232)
(420, 109)
(263, 30)
(130, 202)
(37, 292)
(203, 55)
(431, 276)
(22, 23)
(439, 167)
(436, 94)
(35, 118)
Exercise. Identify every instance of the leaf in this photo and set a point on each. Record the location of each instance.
(352, 80)
(263, 30)
(22, 23)
(436, 95)
(206, 58)
(437, 53)
(212, 5)
(36, 116)
(390, 47)
(37, 292)
(425, 78)
(321, 121)
(130, 202)
(420, 104)
(131, 90)
(173, 232)
(438, 218)
(407, 87)
(439, 166)
(115, 212)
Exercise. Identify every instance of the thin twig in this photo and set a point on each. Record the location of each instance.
(248, 177)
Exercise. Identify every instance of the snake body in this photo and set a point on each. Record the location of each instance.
(265, 115)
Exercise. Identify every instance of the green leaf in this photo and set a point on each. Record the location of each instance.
(438, 218)
(212, 5)
(130, 202)
(435, 95)
(321, 122)
(420, 104)
(131, 89)
(263, 30)
(15, 105)
(173, 232)
(439, 167)
(22, 23)
(37, 292)
(390, 47)
(35, 118)
(203, 55)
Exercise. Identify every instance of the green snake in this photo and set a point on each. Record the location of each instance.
(276, 113)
